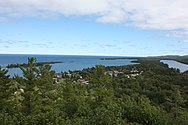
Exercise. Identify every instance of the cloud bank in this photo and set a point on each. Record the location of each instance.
(146, 14)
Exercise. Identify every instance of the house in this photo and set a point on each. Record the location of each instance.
(57, 77)
(114, 73)
(83, 81)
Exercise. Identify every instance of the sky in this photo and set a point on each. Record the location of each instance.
(94, 27)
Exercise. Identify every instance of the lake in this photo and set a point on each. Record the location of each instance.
(174, 64)
(70, 62)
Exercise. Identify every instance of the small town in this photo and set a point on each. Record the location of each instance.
(77, 78)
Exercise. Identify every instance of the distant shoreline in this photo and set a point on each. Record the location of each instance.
(120, 58)
(180, 59)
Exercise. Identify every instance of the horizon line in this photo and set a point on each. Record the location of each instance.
(54, 54)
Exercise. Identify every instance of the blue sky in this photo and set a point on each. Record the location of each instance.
(79, 30)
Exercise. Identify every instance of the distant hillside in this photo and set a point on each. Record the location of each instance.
(181, 59)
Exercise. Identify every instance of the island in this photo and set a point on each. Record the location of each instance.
(36, 64)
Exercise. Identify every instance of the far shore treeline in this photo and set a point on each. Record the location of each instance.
(181, 59)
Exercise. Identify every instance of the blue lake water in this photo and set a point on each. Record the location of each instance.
(174, 64)
(69, 62)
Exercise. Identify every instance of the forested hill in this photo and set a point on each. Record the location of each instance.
(181, 59)
(149, 93)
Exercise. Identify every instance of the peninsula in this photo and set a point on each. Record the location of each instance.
(36, 64)
(181, 59)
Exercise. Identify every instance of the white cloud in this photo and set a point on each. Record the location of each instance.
(147, 14)
(179, 34)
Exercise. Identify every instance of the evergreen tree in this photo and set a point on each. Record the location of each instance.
(4, 89)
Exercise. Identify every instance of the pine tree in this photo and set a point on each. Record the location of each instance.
(4, 85)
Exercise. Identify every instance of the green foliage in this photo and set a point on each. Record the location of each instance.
(140, 110)
(99, 78)
(5, 93)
